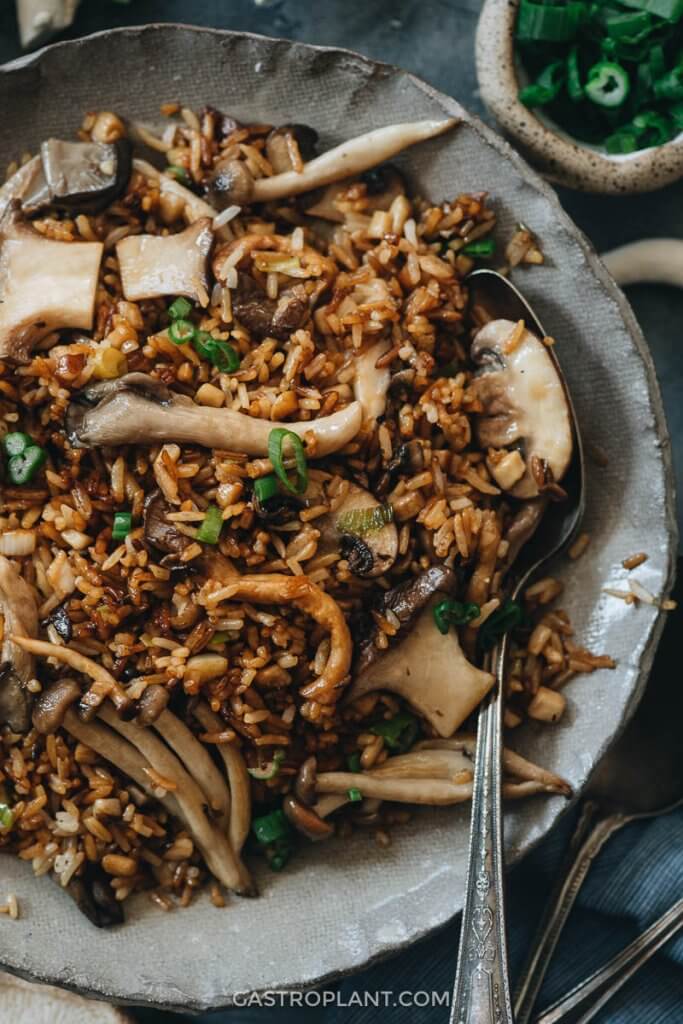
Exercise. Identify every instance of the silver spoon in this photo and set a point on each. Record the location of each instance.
(481, 994)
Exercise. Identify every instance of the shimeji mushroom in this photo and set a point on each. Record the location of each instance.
(429, 670)
(436, 771)
(19, 615)
(138, 409)
(45, 285)
(238, 779)
(153, 265)
(351, 157)
(524, 404)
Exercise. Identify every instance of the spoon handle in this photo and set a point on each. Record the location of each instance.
(482, 989)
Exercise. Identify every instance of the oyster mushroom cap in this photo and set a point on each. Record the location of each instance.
(429, 670)
(45, 285)
(137, 409)
(153, 265)
(524, 401)
(19, 611)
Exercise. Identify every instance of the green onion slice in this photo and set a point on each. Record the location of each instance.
(16, 443)
(354, 795)
(123, 522)
(453, 613)
(219, 353)
(180, 308)
(546, 87)
(504, 619)
(212, 524)
(265, 487)
(362, 521)
(22, 468)
(6, 817)
(182, 331)
(670, 10)
(482, 248)
(670, 85)
(353, 761)
(276, 441)
(574, 86)
(608, 84)
(538, 21)
(179, 173)
(399, 733)
(271, 827)
(270, 770)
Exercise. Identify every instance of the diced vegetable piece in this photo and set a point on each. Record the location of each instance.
(16, 443)
(399, 733)
(354, 795)
(608, 84)
(453, 613)
(504, 619)
(179, 173)
(6, 817)
(210, 530)
(265, 487)
(22, 468)
(540, 21)
(363, 521)
(482, 248)
(109, 363)
(276, 442)
(181, 332)
(180, 308)
(271, 827)
(353, 761)
(270, 770)
(123, 522)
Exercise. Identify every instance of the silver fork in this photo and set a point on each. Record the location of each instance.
(481, 994)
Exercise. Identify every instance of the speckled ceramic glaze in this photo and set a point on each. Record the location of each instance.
(558, 156)
(340, 905)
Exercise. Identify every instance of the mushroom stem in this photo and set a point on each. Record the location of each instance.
(218, 852)
(104, 685)
(514, 764)
(651, 260)
(351, 157)
(198, 762)
(276, 588)
(238, 780)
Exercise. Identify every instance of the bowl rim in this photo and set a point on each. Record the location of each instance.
(566, 161)
(608, 285)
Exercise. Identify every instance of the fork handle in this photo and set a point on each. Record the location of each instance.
(482, 990)
(560, 904)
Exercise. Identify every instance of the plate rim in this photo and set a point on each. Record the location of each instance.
(609, 287)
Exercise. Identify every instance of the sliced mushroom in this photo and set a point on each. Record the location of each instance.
(153, 701)
(304, 787)
(405, 601)
(53, 703)
(524, 401)
(153, 265)
(19, 615)
(198, 763)
(29, 180)
(277, 318)
(383, 185)
(440, 772)
(238, 779)
(289, 145)
(218, 852)
(45, 285)
(305, 820)
(136, 409)
(370, 552)
(78, 176)
(158, 530)
(277, 589)
(430, 671)
(351, 157)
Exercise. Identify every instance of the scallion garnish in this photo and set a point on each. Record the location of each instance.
(271, 827)
(179, 173)
(181, 332)
(399, 733)
(270, 770)
(180, 308)
(25, 457)
(265, 487)
(212, 524)
(354, 795)
(482, 248)
(123, 522)
(362, 521)
(278, 438)
(449, 613)
(500, 622)
(608, 84)
(220, 354)
(6, 817)
(353, 761)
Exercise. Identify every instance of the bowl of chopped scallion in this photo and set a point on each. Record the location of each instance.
(591, 91)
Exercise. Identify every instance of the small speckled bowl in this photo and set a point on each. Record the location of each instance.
(559, 157)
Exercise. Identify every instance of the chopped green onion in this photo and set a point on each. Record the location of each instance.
(181, 332)
(546, 87)
(608, 84)
(399, 733)
(353, 761)
(265, 487)
(179, 173)
(212, 524)
(276, 441)
(574, 86)
(621, 142)
(354, 795)
(22, 468)
(270, 770)
(499, 623)
(271, 827)
(362, 521)
(16, 443)
(219, 353)
(653, 128)
(676, 113)
(180, 308)
(670, 85)
(279, 860)
(670, 10)
(453, 613)
(541, 22)
(123, 522)
(632, 26)
(483, 248)
(6, 817)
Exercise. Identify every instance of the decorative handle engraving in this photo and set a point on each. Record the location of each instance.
(482, 990)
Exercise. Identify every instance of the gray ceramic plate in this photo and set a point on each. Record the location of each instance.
(341, 905)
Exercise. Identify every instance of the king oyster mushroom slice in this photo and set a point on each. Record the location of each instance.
(430, 671)
(524, 404)
(153, 265)
(45, 285)
(137, 409)
(19, 612)
(351, 157)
